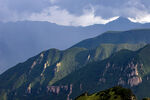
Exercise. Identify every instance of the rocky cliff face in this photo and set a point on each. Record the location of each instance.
(66, 74)
(124, 68)
(57, 89)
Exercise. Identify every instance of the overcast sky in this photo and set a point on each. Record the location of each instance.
(74, 12)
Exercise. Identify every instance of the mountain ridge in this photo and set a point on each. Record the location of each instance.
(44, 35)
(117, 37)
(59, 74)
(127, 65)
(52, 65)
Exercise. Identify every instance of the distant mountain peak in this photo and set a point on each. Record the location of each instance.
(121, 20)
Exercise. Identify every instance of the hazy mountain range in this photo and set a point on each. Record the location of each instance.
(21, 40)
(110, 59)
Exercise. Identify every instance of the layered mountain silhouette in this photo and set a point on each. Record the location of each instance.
(24, 39)
(126, 68)
(98, 64)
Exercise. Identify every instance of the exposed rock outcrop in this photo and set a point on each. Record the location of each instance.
(29, 89)
(58, 89)
(58, 65)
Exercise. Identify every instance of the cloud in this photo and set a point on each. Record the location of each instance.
(74, 12)
(141, 19)
(140, 12)
(14, 10)
(102, 12)
(62, 17)
(53, 1)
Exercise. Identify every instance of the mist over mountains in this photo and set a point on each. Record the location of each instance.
(118, 58)
(21, 40)
(74, 50)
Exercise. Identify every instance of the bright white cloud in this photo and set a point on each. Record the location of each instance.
(141, 19)
(63, 17)
(72, 12)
